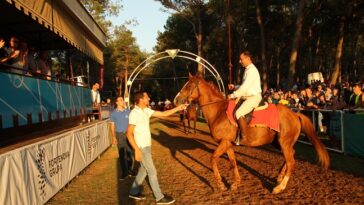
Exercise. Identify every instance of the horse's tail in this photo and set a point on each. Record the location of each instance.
(308, 129)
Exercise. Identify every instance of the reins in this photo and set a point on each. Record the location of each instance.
(219, 101)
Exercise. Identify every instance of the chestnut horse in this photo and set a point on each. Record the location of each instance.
(190, 115)
(214, 104)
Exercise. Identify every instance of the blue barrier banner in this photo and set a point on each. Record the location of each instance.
(24, 95)
(354, 137)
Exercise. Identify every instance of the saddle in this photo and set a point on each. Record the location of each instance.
(265, 115)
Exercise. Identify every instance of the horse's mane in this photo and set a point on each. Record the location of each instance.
(213, 87)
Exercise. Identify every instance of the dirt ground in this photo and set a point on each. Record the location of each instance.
(184, 171)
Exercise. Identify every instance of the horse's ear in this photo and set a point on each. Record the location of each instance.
(199, 74)
(190, 75)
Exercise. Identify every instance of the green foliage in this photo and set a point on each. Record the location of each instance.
(100, 9)
(318, 43)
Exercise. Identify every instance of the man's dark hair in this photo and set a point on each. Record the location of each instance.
(116, 99)
(247, 53)
(138, 95)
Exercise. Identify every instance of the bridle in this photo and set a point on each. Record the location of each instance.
(196, 81)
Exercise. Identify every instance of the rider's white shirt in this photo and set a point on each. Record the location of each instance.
(251, 83)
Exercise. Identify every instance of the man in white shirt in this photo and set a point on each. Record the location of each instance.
(140, 139)
(95, 94)
(250, 91)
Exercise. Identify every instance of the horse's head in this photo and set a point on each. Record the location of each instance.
(189, 92)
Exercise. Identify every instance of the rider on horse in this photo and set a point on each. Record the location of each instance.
(250, 91)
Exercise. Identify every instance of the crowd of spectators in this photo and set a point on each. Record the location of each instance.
(18, 57)
(318, 95)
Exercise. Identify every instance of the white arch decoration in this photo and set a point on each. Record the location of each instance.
(173, 53)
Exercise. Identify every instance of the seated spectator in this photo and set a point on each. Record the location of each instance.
(44, 66)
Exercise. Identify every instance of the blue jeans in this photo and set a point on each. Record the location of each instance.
(147, 168)
(126, 155)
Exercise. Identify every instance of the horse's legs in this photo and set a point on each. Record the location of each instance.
(189, 126)
(231, 155)
(221, 149)
(183, 123)
(282, 173)
(194, 125)
(288, 153)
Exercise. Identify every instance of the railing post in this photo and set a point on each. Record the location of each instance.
(29, 118)
(16, 120)
(342, 131)
(40, 117)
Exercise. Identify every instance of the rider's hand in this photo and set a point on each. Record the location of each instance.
(231, 86)
(231, 96)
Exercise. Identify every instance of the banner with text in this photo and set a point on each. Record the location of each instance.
(34, 173)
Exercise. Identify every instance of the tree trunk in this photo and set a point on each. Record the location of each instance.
(278, 67)
(262, 45)
(200, 68)
(339, 50)
(296, 44)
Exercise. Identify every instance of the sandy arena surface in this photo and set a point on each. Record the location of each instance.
(184, 172)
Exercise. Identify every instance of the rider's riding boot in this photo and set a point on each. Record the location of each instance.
(243, 129)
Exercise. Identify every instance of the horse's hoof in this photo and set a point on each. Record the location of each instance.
(234, 186)
(277, 190)
(222, 187)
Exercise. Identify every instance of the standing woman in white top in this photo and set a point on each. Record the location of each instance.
(250, 91)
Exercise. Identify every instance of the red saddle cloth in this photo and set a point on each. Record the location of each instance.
(266, 117)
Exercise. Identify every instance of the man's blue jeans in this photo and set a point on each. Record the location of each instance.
(147, 168)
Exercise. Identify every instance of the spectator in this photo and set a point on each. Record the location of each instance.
(119, 118)
(276, 98)
(95, 94)
(346, 92)
(167, 104)
(139, 136)
(294, 100)
(311, 101)
(356, 99)
(31, 64)
(44, 65)
(15, 58)
(3, 52)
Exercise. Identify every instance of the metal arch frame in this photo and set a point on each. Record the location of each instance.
(165, 54)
